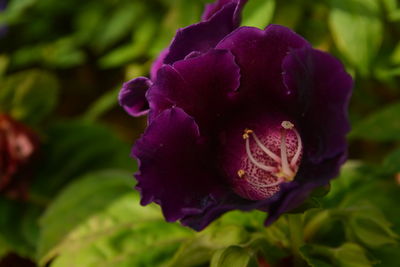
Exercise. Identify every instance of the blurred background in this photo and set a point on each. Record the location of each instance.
(66, 195)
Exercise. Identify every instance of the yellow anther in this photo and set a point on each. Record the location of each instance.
(287, 125)
(247, 133)
(241, 173)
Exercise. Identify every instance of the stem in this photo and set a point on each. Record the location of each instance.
(296, 237)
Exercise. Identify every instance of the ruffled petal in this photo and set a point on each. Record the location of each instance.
(204, 35)
(259, 54)
(323, 90)
(173, 170)
(211, 9)
(132, 96)
(201, 85)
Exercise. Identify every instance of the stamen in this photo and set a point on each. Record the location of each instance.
(285, 164)
(266, 150)
(255, 162)
(241, 173)
(298, 151)
(287, 125)
(247, 133)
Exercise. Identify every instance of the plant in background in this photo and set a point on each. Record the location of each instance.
(238, 118)
(19, 146)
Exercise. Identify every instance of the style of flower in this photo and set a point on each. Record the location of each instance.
(238, 118)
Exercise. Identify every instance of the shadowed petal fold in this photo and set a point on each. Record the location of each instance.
(201, 85)
(173, 170)
(259, 54)
(323, 90)
(204, 35)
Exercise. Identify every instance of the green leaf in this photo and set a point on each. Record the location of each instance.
(29, 95)
(357, 31)
(76, 147)
(97, 221)
(19, 227)
(383, 125)
(199, 249)
(233, 256)
(348, 254)
(370, 227)
(258, 13)
(391, 164)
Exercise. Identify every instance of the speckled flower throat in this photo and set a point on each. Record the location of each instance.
(271, 157)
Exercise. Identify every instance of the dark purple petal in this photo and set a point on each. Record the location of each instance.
(157, 64)
(323, 89)
(259, 55)
(132, 96)
(213, 8)
(204, 35)
(201, 85)
(174, 170)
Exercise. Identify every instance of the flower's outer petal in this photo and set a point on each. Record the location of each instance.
(323, 90)
(201, 85)
(213, 8)
(204, 35)
(173, 167)
(132, 96)
(259, 54)
(157, 64)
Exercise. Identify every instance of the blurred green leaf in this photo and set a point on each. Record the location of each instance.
(357, 30)
(349, 254)
(118, 24)
(199, 250)
(391, 164)
(110, 229)
(258, 13)
(19, 227)
(142, 38)
(29, 95)
(233, 256)
(102, 105)
(383, 125)
(76, 147)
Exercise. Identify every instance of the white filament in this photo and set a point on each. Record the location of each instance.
(266, 150)
(255, 162)
(298, 151)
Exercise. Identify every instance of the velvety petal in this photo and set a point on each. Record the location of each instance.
(173, 166)
(157, 64)
(202, 36)
(323, 89)
(213, 8)
(132, 96)
(202, 86)
(259, 54)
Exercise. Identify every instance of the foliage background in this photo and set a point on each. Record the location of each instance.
(61, 66)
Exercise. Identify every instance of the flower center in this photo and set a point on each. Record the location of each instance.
(269, 160)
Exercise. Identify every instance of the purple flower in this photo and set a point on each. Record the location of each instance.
(238, 118)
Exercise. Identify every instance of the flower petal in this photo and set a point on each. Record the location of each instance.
(213, 8)
(204, 35)
(323, 89)
(259, 55)
(174, 171)
(157, 64)
(201, 85)
(132, 96)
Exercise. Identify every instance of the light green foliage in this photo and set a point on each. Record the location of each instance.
(258, 13)
(29, 95)
(97, 221)
(383, 125)
(357, 31)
